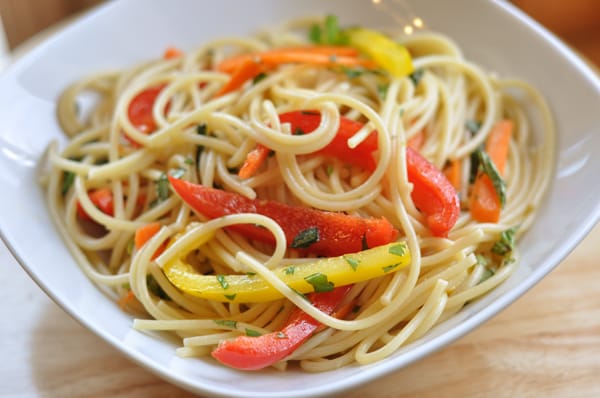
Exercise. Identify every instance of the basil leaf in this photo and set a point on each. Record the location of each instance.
(306, 238)
(68, 179)
(252, 333)
(390, 267)
(382, 90)
(259, 77)
(319, 282)
(162, 187)
(416, 76)
(473, 126)
(506, 244)
(155, 288)
(227, 323)
(489, 168)
(352, 262)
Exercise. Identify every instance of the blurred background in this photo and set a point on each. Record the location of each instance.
(577, 22)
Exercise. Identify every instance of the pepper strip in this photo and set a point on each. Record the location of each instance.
(318, 275)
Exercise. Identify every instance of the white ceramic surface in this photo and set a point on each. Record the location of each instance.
(124, 32)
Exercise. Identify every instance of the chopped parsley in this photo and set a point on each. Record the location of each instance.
(487, 274)
(200, 130)
(398, 250)
(299, 131)
(319, 282)
(352, 73)
(306, 238)
(416, 76)
(222, 281)
(390, 267)
(329, 170)
(382, 90)
(230, 297)
(189, 161)
(352, 262)
(289, 270)
(250, 273)
(226, 323)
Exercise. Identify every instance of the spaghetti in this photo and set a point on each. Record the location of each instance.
(187, 173)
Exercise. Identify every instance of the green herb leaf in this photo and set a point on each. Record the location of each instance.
(189, 161)
(68, 179)
(319, 282)
(290, 270)
(416, 76)
(222, 281)
(382, 90)
(162, 187)
(487, 274)
(226, 323)
(300, 294)
(390, 267)
(352, 73)
(398, 250)
(329, 170)
(252, 333)
(200, 130)
(473, 126)
(230, 297)
(249, 273)
(259, 77)
(506, 244)
(352, 262)
(299, 131)
(482, 260)
(306, 238)
(314, 34)
(155, 288)
(488, 167)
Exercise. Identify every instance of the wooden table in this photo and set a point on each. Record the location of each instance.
(545, 344)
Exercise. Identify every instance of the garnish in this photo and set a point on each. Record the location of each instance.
(222, 281)
(305, 238)
(319, 282)
(353, 262)
(226, 323)
(488, 167)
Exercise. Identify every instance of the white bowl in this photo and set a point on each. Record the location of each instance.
(122, 33)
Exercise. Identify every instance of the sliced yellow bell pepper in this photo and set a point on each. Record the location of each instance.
(320, 275)
(388, 54)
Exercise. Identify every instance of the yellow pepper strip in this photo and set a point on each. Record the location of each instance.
(320, 275)
(388, 54)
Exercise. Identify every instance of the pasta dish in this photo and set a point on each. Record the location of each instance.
(312, 196)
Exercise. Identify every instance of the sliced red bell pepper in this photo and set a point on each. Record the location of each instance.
(140, 109)
(305, 122)
(254, 353)
(432, 193)
(102, 199)
(326, 233)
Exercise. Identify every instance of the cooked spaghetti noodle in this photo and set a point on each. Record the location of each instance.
(446, 107)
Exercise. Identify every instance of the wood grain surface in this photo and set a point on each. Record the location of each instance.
(547, 344)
